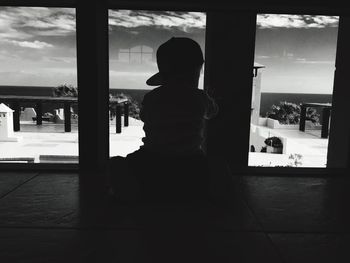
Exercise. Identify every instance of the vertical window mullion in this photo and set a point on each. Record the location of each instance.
(92, 62)
(229, 65)
(339, 137)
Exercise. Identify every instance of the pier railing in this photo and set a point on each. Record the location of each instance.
(14, 102)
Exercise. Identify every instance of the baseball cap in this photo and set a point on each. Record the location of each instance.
(177, 56)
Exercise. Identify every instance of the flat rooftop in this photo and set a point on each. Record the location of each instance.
(309, 144)
(50, 141)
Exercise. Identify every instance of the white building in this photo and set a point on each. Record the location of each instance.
(6, 124)
(256, 93)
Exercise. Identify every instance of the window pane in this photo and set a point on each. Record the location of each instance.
(292, 91)
(134, 36)
(38, 80)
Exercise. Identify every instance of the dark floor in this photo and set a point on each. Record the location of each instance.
(270, 219)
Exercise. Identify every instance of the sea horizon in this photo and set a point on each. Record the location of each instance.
(267, 98)
(4, 87)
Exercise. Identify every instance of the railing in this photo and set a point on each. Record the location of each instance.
(14, 103)
(326, 113)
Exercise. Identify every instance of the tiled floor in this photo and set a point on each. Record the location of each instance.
(45, 218)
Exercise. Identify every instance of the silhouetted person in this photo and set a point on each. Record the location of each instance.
(174, 115)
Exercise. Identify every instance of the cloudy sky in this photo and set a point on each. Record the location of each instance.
(149, 30)
(38, 47)
(298, 52)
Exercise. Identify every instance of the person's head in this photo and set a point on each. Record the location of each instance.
(180, 61)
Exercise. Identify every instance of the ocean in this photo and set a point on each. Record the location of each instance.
(267, 99)
(136, 94)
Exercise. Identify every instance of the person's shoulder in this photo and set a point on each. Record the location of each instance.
(154, 91)
(151, 92)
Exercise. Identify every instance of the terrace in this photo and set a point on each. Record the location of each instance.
(43, 141)
(309, 144)
(16, 101)
(48, 143)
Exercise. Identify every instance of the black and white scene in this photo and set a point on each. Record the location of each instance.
(174, 131)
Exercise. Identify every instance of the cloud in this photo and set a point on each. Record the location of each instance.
(132, 19)
(296, 21)
(34, 44)
(62, 24)
(6, 28)
(28, 22)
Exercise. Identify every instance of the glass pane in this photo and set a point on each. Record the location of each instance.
(38, 85)
(134, 37)
(292, 90)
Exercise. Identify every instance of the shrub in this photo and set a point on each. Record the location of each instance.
(274, 142)
(289, 113)
(312, 115)
(296, 160)
(134, 109)
(70, 91)
(65, 91)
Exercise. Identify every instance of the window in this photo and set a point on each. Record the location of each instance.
(292, 91)
(134, 36)
(138, 54)
(38, 85)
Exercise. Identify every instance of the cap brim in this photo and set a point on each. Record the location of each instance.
(155, 80)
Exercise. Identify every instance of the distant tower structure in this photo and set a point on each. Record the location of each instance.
(6, 124)
(256, 93)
